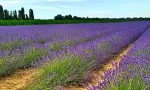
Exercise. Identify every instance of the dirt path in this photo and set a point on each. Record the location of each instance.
(99, 73)
(18, 80)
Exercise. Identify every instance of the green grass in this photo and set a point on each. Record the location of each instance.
(36, 22)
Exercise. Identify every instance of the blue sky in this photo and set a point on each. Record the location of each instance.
(45, 9)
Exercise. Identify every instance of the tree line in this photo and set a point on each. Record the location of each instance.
(20, 15)
(14, 15)
(70, 17)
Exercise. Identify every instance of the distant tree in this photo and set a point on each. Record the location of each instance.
(1, 12)
(19, 14)
(11, 15)
(31, 14)
(68, 17)
(76, 18)
(27, 18)
(22, 13)
(59, 17)
(6, 14)
(15, 15)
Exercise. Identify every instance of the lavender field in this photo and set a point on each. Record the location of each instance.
(67, 54)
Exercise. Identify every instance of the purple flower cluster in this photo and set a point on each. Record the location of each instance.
(133, 72)
(95, 42)
(105, 40)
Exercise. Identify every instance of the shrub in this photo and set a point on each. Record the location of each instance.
(70, 69)
(30, 56)
(8, 65)
(10, 45)
(55, 46)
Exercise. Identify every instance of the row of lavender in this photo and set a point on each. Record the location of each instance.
(28, 36)
(133, 72)
(57, 48)
(23, 45)
(74, 64)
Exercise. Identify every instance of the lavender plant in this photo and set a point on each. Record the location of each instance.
(74, 48)
(92, 54)
(133, 71)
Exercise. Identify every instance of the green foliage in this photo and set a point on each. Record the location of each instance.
(21, 14)
(135, 83)
(55, 46)
(10, 45)
(59, 17)
(31, 56)
(142, 52)
(31, 14)
(105, 47)
(41, 41)
(83, 40)
(36, 22)
(58, 45)
(12, 15)
(8, 65)
(69, 69)
(1, 12)
(69, 43)
(123, 81)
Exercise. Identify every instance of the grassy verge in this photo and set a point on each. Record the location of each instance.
(36, 22)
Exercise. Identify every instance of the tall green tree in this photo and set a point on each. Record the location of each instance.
(15, 15)
(11, 15)
(31, 14)
(27, 18)
(22, 13)
(19, 14)
(1, 12)
(6, 14)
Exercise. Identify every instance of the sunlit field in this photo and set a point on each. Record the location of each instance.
(48, 57)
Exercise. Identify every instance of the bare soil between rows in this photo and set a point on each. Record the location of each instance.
(18, 80)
